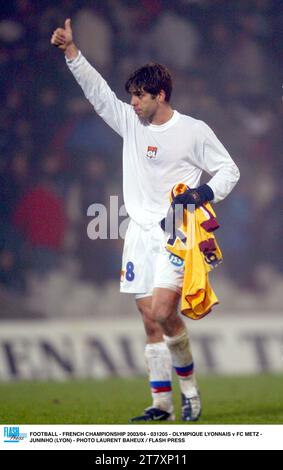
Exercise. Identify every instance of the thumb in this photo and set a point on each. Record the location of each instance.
(68, 25)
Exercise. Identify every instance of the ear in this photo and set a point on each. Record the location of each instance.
(162, 96)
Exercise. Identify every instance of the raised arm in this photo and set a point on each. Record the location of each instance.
(112, 110)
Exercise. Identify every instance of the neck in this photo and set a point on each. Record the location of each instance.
(162, 115)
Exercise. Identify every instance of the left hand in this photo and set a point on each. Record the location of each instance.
(190, 196)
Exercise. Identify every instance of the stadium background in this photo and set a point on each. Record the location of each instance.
(60, 310)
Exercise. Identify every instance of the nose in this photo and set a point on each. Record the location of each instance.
(134, 100)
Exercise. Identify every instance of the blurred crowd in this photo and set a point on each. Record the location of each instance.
(57, 157)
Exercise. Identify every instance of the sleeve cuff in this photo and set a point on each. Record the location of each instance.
(75, 60)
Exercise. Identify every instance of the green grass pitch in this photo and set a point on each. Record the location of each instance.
(226, 400)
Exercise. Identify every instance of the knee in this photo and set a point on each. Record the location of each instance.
(145, 310)
(152, 328)
(160, 312)
(155, 314)
(148, 320)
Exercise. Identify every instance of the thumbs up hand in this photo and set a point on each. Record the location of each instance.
(63, 37)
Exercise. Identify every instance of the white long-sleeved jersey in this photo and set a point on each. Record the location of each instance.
(156, 157)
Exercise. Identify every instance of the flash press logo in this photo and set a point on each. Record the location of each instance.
(12, 434)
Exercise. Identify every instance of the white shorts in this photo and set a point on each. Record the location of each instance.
(147, 264)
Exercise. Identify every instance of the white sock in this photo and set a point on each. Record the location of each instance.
(182, 359)
(159, 365)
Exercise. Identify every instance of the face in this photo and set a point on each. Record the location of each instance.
(145, 105)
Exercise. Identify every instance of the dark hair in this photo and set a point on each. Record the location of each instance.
(151, 78)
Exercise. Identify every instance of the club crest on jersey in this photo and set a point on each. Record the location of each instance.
(151, 152)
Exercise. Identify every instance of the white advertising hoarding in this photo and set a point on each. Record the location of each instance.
(222, 344)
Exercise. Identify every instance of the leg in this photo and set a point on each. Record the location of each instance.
(164, 311)
(159, 366)
(140, 253)
(153, 330)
